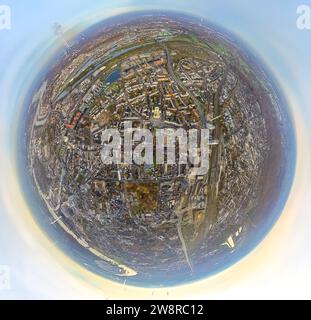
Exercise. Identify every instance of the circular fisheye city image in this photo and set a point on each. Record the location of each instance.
(158, 149)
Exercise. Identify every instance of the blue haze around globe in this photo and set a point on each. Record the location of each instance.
(163, 69)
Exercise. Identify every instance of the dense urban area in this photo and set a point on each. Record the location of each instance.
(154, 72)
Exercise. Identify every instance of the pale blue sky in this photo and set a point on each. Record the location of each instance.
(269, 27)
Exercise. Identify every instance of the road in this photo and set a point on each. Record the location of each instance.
(172, 74)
